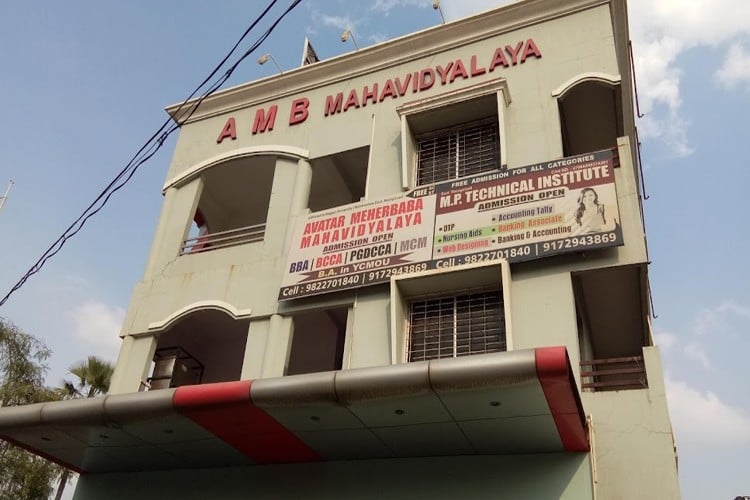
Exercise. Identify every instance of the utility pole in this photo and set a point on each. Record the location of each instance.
(5, 196)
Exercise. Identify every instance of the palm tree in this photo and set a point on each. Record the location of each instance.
(94, 375)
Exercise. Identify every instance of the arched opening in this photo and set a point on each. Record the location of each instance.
(338, 179)
(205, 346)
(590, 116)
(233, 206)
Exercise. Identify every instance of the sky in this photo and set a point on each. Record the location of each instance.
(84, 84)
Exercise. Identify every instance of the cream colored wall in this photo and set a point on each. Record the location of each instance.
(543, 310)
(633, 443)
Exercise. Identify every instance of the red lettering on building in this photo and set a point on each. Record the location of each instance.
(299, 112)
(530, 50)
(352, 100)
(388, 90)
(475, 70)
(264, 121)
(333, 104)
(229, 130)
(403, 86)
(514, 53)
(458, 70)
(426, 79)
(443, 72)
(393, 88)
(368, 94)
(498, 59)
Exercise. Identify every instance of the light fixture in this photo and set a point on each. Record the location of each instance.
(436, 6)
(264, 59)
(345, 36)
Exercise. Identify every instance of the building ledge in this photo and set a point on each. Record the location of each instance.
(504, 403)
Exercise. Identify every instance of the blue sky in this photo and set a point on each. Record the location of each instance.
(84, 84)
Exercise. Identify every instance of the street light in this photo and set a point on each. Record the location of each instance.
(345, 36)
(264, 59)
(436, 6)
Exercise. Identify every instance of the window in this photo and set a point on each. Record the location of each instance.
(449, 326)
(591, 116)
(338, 179)
(458, 311)
(453, 134)
(459, 151)
(318, 341)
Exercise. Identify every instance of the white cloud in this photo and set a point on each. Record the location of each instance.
(340, 22)
(694, 351)
(385, 6)
(735, 71)
(377, 37)
(703, 419)
(730, 306)
(670, 343)
(98, 325)
(662, 31)
(455, 10)
(715, 319)
(665, 340)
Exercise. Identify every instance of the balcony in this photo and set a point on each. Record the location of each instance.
(173, 367)
(614, 374)
(223, 239)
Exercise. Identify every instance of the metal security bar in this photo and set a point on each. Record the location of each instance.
(173, 367)
(456, 325)
(613, 374)
(223, 239)
(458, 151)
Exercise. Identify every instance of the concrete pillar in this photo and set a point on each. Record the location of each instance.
(278, 346)
(279, 207)
(255, 349)
(133, 363)
(174, 222)
(302, 183)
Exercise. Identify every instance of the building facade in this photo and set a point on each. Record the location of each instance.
(416, 269)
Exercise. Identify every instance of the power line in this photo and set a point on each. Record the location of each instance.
(154, 143)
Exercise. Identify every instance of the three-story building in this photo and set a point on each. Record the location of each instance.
(418, 269)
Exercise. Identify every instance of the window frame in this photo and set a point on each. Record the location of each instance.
(451, 142)
(477, 276)
(411, 111)
(447, 322)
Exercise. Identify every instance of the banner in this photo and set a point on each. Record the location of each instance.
(565, 205)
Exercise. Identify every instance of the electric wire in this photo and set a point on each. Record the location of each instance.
(154, 143)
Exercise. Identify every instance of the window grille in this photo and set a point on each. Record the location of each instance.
(458, 151)
(456, 325)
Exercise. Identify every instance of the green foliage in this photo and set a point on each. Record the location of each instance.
(23, 476)
(94, 375)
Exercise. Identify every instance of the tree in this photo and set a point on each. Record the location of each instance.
(22, 369)
(94, 375)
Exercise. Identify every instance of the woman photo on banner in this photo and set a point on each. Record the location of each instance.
(590, 214)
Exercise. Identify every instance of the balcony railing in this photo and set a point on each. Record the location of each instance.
(173, 367)
(614, 374)
(223, 239)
